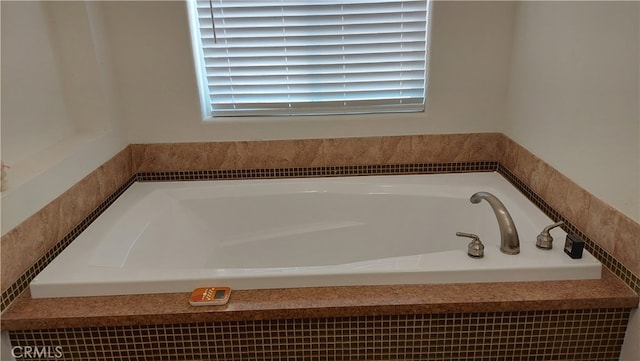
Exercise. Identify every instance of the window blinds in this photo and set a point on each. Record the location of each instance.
(305, 57)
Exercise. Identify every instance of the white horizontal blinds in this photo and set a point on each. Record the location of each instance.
(290, 57)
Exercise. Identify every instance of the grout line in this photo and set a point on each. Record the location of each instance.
(608, 260)
(594, 334)
(22, 283)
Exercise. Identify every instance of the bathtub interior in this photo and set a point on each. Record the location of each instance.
(296, 227)
(305, 232)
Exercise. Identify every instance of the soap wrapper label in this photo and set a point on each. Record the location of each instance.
(210, 296)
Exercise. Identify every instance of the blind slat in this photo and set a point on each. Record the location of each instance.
(289, 57)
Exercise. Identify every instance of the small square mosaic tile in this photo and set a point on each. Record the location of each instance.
(523, 335)
(526, 335)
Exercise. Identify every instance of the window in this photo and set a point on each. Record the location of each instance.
(310, 57)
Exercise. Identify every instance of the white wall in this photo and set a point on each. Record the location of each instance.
(573, 100)
(574, 94)
(59, 120)
(79, 71)
(78, 68)
(32, 95)
(75, 73)
(471, 45)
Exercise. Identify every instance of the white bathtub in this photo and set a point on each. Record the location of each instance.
(252, 234)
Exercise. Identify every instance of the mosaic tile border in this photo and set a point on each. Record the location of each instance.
(596, 250)
(326, 171)
(595, 334)
(23, 281)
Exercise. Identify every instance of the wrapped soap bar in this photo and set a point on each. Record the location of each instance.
(210, 296)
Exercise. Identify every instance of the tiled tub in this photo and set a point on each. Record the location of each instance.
(305, 232)
(569, 320)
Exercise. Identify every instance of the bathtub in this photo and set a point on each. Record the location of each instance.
(309, 232)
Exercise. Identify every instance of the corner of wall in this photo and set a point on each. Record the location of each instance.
(33, 237)
(612, 230)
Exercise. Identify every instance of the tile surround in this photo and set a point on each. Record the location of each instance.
(525, 335)
(612, 230)
(615, 236)
(30, 240)
(313, 302)
(315, 152)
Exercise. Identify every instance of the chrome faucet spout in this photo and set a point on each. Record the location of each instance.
(509, 240)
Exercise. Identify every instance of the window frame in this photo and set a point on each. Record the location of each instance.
(207, 110)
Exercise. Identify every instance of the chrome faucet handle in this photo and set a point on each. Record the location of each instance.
(476, 248)
(545, 241)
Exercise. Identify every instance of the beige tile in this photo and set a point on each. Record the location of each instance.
(442, 148)
(509, 153)
(445, 148)
(170, 157)
(84, 197)
(180, 156)
(627, 247)
(295, 153)
(352, 151)
(540, 177)
(150, 157)
(123, 165)
(467, 147)
(615, 232)
(455, 147)
(556, 194)
(107, 179)
(397, 150)
(500, 146)
(524, 165)
(50, 224)
(222, 155)
(35, 236)
(88, 193)
(69, 208)
(188, 156)
(577, 204)
(252, 155)
(138, 156)
(280, 153)
(482, 147)
(297, 303)
(21, 247)
(426, 148)
(602, 222)
(159, 157)
(113, 173)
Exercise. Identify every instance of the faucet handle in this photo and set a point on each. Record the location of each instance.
(544, 240)
(476, 248)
